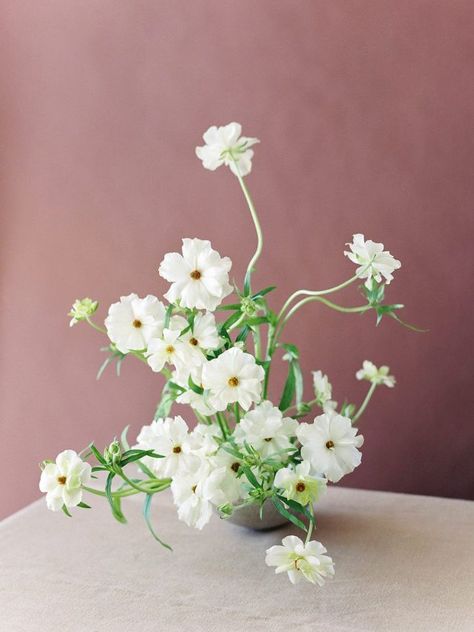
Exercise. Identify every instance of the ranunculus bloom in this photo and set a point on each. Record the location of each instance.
(374, 262)
(266, 430)
(199, 276)
(133, 322)
(301, 560)
(225, 146)
(330, 444)
(372, 374)
(233, 377)
(298, 484)
(62, 481)
(323, 391)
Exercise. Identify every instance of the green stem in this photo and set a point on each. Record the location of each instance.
(223, 425)
(316, 293)
(144, 490)
(256, 222)
(97, 492)
(363, 406)
(102, 330)
(320, 299)
(311, 523)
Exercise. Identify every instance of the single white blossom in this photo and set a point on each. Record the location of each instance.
(171, 439)
(133, 322)
(202, 337)
(62, 481)
(323, 391)
(372, 374)
(82, 309)
(266, 430)
(374, 262)
(226, 485)
(225, 146)
(330, 444)
(168, 349)
(234, 376)
(205, 439)
(199, 276)
(299, 485)
(191, 497)
(198, 401)
(301, 560)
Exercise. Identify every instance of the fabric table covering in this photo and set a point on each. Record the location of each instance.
(403, 563)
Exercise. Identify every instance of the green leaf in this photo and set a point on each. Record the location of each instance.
(265, 290)
(292, 352)
(258, 320)
(98, 455)
(168, 397)
(243, 334)
(231, 320)
(84, 505)
(194, 387)
(298, 382)
(247, 283)
(65, 510)
(146, 515)
(250, 476)
(296, 506)
(131, 458)
(114, 501)
(123, 438)
(232, 306)
(288, 389)
(279, 506)
(169, 311)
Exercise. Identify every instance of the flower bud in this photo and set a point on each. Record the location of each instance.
(113, 453)
(82, 309)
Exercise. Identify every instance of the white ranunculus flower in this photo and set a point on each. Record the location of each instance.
(225, 486)
(266, 429)
(168, 349)
(323, 391)
(203, 336)
(191, 497)
(301, 560)
(374, 262)
(330, 444)
(372, 374)
(133, 322)
(204, 436)
(233, 377)
(299, 485)
(199, 276)
(171, 439)
(225, 146)
(62, 481)
(198, 401)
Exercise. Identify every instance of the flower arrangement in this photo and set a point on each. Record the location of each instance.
(244, 448)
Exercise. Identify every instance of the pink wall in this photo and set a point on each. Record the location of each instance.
(365, 113)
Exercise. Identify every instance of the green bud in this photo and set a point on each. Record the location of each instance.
(226, 510)
(248, 306)
(113, 453)
(82, 309)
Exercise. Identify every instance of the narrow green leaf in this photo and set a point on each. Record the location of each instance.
(65, 510)
(84, 505)
(232, 306)
(265, 290)
(146, 515)
(279, 506)
(288, 389)
(194, 387)
(250, 476)
(123, 438)
(243, 334)
(169, 311)
(97, 455)
(114, 501)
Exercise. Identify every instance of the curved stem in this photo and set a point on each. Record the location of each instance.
(144, 490)
(363, 406)
(311, 523)
(102, 330)
(325, 301)
(256, 223)
(97, 492)
(316, 293)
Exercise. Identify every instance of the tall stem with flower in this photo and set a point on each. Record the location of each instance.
(244, 449)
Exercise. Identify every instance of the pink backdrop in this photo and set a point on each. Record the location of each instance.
(365, 113)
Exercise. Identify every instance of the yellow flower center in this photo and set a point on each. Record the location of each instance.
(137, 324)
(177, 449)
(300, 486)
(233, 381)
(194, 342)
(62, 480)
(170, 349)
(195, 275)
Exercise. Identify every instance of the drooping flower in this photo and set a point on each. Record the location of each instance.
(374, 262)
(372, 374)
(62, 481)
(233, 377)
(225, 146)
(190, 495)
(330, 444)
(169, 438)
(82, 309)
(167, 349)
(199, 276)
(133, 322)
(299, 485)
(323, 391)
(265, 429)
(301, 560)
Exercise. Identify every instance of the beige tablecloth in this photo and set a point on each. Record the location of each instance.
(403, 563)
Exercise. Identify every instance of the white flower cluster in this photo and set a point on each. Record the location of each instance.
(244, 449)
